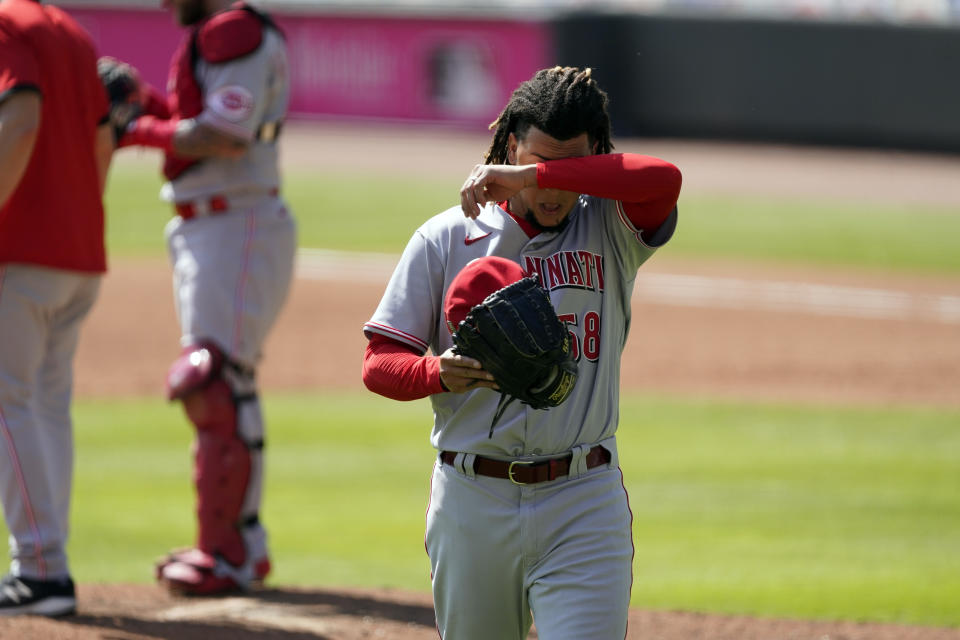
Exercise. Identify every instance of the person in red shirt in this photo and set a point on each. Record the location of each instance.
(55, 148)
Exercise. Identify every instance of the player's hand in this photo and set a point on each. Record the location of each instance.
(494, 183)
(460, 374)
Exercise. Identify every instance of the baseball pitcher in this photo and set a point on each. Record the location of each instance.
(528, 517)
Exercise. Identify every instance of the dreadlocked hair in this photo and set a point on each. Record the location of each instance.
(563, 102)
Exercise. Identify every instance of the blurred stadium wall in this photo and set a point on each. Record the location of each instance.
(878, 73)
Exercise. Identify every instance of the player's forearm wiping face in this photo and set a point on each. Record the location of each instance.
(558, 114)
(545, 209)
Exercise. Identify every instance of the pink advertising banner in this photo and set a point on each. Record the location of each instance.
(418, 69)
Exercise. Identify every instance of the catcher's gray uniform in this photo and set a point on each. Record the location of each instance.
(232, 248)
(232, 269)
(493, 543)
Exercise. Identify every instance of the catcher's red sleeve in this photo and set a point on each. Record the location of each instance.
(395, 370)
(155, 103)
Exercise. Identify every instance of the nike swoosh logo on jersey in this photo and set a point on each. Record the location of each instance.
(469, 241)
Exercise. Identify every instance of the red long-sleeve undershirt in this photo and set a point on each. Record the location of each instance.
(648, 188)
(155, 103)
(398, 371)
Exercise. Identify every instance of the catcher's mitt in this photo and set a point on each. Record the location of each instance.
(122, 84)
(517, 337)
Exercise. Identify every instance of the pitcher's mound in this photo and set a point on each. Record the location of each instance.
(146, 612)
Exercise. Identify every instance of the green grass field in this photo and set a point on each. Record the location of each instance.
(814, 232)
(768, 510)
(832, 513)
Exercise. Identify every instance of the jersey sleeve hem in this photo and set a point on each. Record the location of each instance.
(660, 235)
(396, 334)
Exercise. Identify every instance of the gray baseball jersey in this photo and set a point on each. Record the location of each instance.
(589, 271)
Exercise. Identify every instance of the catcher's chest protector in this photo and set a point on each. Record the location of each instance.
(223, 37)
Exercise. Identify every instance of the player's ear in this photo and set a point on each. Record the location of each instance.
(512, 143)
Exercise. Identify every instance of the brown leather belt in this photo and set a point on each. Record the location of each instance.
(529, 471)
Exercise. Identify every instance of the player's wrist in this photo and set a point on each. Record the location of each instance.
(154, 103)
(149, 131)
(539, 171)
(435, 373)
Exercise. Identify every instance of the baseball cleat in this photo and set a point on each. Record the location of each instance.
(195, 572)
(23, 596)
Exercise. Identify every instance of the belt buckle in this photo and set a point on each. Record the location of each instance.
(510, 471)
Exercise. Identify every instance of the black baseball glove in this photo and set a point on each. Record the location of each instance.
(122, 84)
(517, 337)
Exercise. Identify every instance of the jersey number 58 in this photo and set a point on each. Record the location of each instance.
(589, 344)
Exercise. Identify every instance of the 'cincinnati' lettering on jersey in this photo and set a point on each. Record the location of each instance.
(579, 269)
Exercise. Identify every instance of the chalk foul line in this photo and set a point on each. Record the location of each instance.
(695, 291)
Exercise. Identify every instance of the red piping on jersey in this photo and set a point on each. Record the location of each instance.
(18, 472)
(633, 547)
(240, 295)
(25, 496)
(402, 336)
(628, 223)
(426, 519)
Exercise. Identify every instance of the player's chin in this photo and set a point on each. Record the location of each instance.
(551, 217)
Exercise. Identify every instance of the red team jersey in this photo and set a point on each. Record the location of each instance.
(55, 216)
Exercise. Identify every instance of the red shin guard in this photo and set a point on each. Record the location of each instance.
(221, 471)
(219, 398)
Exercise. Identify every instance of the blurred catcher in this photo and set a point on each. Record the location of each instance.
(232, 244)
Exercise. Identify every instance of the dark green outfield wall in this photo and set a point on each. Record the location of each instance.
(810, 82)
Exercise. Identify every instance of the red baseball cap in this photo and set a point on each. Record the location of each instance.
(474, 283)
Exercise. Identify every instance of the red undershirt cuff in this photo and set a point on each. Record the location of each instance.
(149, 131)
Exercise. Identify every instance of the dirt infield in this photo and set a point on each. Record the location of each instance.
(134, 612)
(696, 345)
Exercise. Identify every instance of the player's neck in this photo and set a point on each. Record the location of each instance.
(528, 228)
(216, 6)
